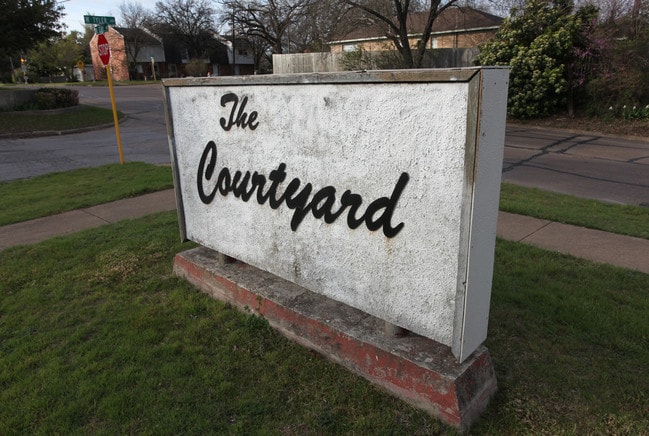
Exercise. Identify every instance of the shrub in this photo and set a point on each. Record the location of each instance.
(50, 98)
(196, 68)
(54, 98)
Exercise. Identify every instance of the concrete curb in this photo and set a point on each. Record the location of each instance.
(43, 133)
(594, 245)
(40, 229)
(579, 132)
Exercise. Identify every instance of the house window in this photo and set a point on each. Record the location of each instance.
(350, 47)
(433, 42)
(243, 51)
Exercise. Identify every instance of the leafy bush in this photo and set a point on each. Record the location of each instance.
(540, 44)
(51, 98)
(54, 98)
(622, 81)
(196, 68)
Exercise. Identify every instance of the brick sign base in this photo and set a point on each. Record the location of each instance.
(416, 369)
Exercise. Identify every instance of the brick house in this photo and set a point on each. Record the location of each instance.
(131, 54)
(136, 53)
(455, 27)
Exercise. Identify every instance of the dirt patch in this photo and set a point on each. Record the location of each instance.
(637, 128)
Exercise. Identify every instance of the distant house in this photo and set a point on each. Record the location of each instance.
(136, 54)
(455, 27)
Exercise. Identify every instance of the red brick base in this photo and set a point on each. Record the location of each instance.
(415, 369)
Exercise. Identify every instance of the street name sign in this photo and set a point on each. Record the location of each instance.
(101, 28)
(376, 189)
(93, 19)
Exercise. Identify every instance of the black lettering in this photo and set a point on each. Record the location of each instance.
(323, 201)
(207, 172)
(227, 98)
(223, 182)
(378, 214)
(258, 181)
(239, 185)
(276, 176)
(242, 119)
(299, 204)
(388, 205)
(354, 201)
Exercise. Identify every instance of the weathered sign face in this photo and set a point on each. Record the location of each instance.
(379, 190)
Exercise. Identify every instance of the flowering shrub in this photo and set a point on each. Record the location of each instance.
(629, 112)
(548, 53)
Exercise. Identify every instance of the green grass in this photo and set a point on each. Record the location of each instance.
(27, 199)
(86, 116)
(623, 219)
(97, 336)
(55, 193)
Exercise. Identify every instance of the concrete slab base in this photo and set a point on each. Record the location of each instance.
(420, 371)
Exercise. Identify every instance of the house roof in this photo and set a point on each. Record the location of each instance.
(142, 37)
(452, 19)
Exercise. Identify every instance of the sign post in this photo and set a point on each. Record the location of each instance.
(104, 55)
(153, 67)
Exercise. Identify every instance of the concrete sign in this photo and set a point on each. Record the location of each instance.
(376, 189)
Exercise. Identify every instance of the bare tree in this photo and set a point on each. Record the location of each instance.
(393, 17)
(317, 25)
(191, 21)
(267, 20)
(505, 7)
(133, 14)
(134, 18)
(633, 13)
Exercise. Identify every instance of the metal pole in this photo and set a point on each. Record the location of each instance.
(115, 118)
(234, 51)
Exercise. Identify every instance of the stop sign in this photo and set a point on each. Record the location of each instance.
(103, 49)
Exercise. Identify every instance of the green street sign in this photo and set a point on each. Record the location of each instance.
(101, 28)
(92, 19)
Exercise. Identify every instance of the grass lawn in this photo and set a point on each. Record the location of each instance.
(54, 193)
(623, 219)
(50, 194)
(98, 336)
(27, 122)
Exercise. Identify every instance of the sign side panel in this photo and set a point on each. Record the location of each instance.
(470, 157)
(174, 164)
(491, 140)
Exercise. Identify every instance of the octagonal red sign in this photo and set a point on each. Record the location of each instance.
(103, 49)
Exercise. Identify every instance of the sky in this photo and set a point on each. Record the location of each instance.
(76, 9)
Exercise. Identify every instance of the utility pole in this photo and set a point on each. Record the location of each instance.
(635, 17)
(234, 48)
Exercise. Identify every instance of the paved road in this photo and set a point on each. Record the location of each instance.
(144, 137)
(586, 165)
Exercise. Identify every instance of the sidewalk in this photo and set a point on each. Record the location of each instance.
(623, 251)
